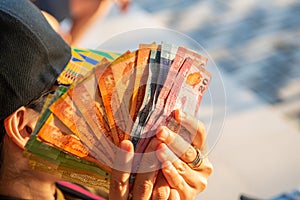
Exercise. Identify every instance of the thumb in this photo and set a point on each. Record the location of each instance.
(119, 180)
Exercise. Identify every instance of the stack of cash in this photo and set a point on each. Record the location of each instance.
(107, 97)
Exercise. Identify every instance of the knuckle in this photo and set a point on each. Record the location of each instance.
(161, 194)
(210, 169)
(116, 183)
(178, 185)
(202, 184)
(152, 145)
(201, 126)
(207, 167)
(145, 187)
(182, 168)
(190, 154)
(188, 194)
(171, 136)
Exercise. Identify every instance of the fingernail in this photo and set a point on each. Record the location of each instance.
(166, 164)
(179, 115)
(161, 153)
(162, 134)
(125, 146)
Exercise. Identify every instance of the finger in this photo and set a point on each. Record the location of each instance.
(119, 181)
(195, 127)
(174, 179)
(174, 195)
(177, 144)
(146, 176)
(194, 178)
(166, 155)
(206, 167)
(181, 148)
(161, 189)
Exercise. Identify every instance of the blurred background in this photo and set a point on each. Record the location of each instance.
(255, 45)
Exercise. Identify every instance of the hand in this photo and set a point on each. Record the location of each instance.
(175, 180)
(150, 182)
(119, 180)
(175, 153)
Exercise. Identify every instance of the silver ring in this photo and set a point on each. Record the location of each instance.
(197, 161)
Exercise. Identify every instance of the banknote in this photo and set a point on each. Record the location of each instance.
(81, 62)
(62, 159)
(141, 94)
(80, 170)
(171, 85)
(122, 95)
(141, 76)
(54, 132)
(176, 86)
(88, 100)
(184, 53)
(152, 82)
(168, 53)
(164, 92)
(191, 74)
(110, 100)
(113, 88)
(44, 114)
(164, 111)
(181, 55)
(66, 111)
(192, 90)
(187, 97)
(67, 168)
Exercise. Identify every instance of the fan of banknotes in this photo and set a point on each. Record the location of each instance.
(106, 97)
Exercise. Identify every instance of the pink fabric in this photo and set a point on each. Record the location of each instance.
(80, 190)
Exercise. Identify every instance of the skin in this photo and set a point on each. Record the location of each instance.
(56, 26)
(175, 179)
(85, 12)
(17, 179)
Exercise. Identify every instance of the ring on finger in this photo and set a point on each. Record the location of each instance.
(196, 163)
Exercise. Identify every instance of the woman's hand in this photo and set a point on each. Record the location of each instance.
(176, 154)
(176, 179)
